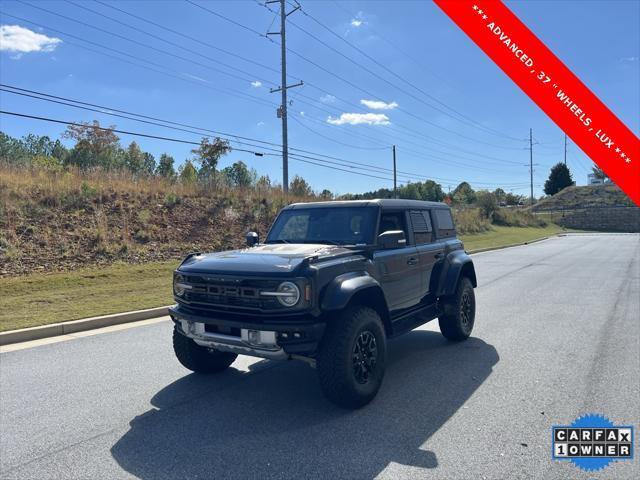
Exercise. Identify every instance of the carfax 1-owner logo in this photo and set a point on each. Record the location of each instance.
(592, 442)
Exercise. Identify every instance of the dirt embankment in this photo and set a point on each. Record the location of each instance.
(49, 229)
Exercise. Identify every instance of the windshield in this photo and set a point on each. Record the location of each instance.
(332, 225)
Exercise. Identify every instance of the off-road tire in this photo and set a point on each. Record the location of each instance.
(343, 349)
(200, 359)
(456, 322)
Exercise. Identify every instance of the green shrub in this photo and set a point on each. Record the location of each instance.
(88, 191)
(144, 216)
(171, 200)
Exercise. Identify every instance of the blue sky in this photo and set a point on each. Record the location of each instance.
(193, 81)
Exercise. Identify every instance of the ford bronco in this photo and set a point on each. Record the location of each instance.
(330, 284)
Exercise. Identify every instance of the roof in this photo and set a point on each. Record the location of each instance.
(382, 202)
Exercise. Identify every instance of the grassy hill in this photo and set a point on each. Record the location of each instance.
(68, 220)
(584, 197)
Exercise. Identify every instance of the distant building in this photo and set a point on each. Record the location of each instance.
(593, 180)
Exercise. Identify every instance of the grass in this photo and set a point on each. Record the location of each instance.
(40, 299)
(502, 236)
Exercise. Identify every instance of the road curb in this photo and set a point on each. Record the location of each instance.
(490, 249)
(73, 326)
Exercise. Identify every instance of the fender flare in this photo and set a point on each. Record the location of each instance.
(457, 263)
(342, 289)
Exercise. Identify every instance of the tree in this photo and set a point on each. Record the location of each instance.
(165, 167)
(263, 184)
(134, 159)
(148, 164)
(238, 175)
(46, 162)
(559, 178)
(501, 196)
(464, 194)
(410, 191)
(95, 146)
(13, 150)
(188, 173)
(326, 194)
(431, 191)
(488, 203)
(208, 154)
(512, 199)
(299, 187)
(599, 173)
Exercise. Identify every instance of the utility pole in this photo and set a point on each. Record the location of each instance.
(282, 110)
(395, 188)
(565, 149)
(531, 161)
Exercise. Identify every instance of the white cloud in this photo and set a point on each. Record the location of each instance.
(360, 118)
(327, 98)
(302, 114)
(14, 38)
(378, 105)
(256, 84)
(629, 59)
(358, 20)
(259, 124)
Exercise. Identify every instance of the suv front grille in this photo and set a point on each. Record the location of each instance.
(230, 293)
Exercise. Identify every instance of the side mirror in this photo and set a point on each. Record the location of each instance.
(392, 239)
(252, 238)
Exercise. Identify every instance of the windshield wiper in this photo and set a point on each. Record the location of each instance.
(276, 240)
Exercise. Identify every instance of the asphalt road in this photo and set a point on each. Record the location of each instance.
(557, 336)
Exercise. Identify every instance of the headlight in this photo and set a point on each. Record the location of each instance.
(179, 286)
(289, 294)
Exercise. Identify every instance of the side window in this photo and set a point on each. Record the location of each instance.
(421, 223)
(445, 223)
(393, 221)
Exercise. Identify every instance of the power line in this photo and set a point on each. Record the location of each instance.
(193, 39)
(348, 82)
(302, 158)
(354, 168)
(160, 38)
(230, 20)
(145, 45)
(386, 81)
(235, 94)
(145, 119)
(108, 110)
(469, 120)
(123, 132)
(207, 84)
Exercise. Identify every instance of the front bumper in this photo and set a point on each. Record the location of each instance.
(269, 338)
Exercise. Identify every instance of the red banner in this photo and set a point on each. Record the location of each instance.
(552, 86)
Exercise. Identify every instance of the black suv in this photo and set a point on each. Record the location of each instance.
(329, 285)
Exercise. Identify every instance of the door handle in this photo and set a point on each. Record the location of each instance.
(412, 261)
(438, 256)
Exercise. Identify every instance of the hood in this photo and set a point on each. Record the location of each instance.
(262, 259)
